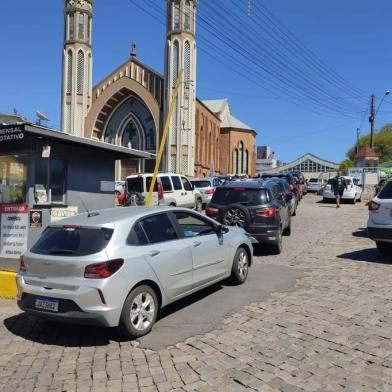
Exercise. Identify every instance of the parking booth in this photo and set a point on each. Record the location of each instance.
(45, 176)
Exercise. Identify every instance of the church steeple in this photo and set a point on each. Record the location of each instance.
(181, 53)
(77, 65)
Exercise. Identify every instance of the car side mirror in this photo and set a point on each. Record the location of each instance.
(221, 229)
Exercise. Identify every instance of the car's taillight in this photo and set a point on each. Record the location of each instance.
(373, 206)
(267, 212)
(212, 211)
(103, 270)
(160, 191)
(22, 264)
(209, 191)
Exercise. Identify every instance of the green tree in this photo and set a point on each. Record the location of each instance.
(382, 144)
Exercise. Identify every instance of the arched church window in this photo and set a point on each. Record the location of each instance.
(71, 28)
(69, 71)
(241, 158)
(235, 161)
(187, 61)
(175, 62)
(187, 20)
(131, 136)
(80, 73)
(176, 13)
(246, 162)
(81, 26)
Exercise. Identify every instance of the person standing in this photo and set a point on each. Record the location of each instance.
(338, 187)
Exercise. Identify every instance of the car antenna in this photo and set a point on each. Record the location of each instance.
(89, 213)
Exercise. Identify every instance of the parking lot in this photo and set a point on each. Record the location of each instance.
(318, 317)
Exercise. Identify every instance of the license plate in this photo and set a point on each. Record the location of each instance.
(47, 304)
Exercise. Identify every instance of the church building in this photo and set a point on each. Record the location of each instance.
(128, 107)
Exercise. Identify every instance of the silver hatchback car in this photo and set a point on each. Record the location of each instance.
(118, 267)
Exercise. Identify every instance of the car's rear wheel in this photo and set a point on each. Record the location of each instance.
(277, 245)
(240, 267)
(139, 312)
(199, 205)
(287, 230)
(385, 248)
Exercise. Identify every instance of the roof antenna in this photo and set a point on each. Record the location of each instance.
(89, 213)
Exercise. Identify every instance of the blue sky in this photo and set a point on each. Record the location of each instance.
(351, 36)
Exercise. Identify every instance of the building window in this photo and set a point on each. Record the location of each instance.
(69, 71)
(13, 175)
(187, 62)
(246, 162)
(176, 18)
(71, 31)
(187, 21)
(241, 158)
(175, 62)
(235, 161)
(50, 181)
(81, 26)
(80, 73)
(131, 136)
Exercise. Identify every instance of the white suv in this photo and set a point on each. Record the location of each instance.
(170, 190)
(353, 192)
(380, 220)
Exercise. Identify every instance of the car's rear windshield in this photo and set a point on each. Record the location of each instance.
(201, 184)
(135, 184)
(313, 180)
(72, 241)
(233, 195)
(386, 192)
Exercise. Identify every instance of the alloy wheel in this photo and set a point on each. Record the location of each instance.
(142, 311)
(243, 264)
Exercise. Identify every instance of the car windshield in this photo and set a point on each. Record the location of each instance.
(135, 184)
(201, 184)
(313, 180)
(72, 241)
(233, 195)
(386, 192)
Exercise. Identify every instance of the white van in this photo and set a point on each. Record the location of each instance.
(170, 190)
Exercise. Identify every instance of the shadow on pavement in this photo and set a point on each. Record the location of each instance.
(69, 335)
(371, 255)
(361, 233)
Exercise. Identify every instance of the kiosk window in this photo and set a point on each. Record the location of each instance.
(50, 181)
(13, 174)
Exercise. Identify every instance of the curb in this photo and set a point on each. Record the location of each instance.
(8, 287)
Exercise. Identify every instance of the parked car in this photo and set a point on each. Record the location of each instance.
(314, 185)
(206, 186)
(257, 206)
(290, 180)
(302, 181)
(379, 224)
(121, 266)
(170, 190)
(353, 193)
(285, 189)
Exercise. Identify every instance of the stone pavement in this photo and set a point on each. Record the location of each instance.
(333, 333)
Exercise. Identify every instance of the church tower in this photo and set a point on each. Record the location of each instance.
(181, 54)
(77, 66)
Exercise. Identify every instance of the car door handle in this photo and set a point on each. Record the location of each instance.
(196, 244)
(154, 253)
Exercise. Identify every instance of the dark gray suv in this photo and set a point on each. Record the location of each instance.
(259, 207)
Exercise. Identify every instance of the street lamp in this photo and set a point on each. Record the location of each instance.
(373, 115)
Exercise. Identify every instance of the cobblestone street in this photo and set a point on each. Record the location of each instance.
(333, 332)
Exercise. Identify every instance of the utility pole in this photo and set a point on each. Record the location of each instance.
(371, 120)
(357, 141)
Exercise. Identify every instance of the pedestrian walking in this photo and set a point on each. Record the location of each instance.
(338, 186)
